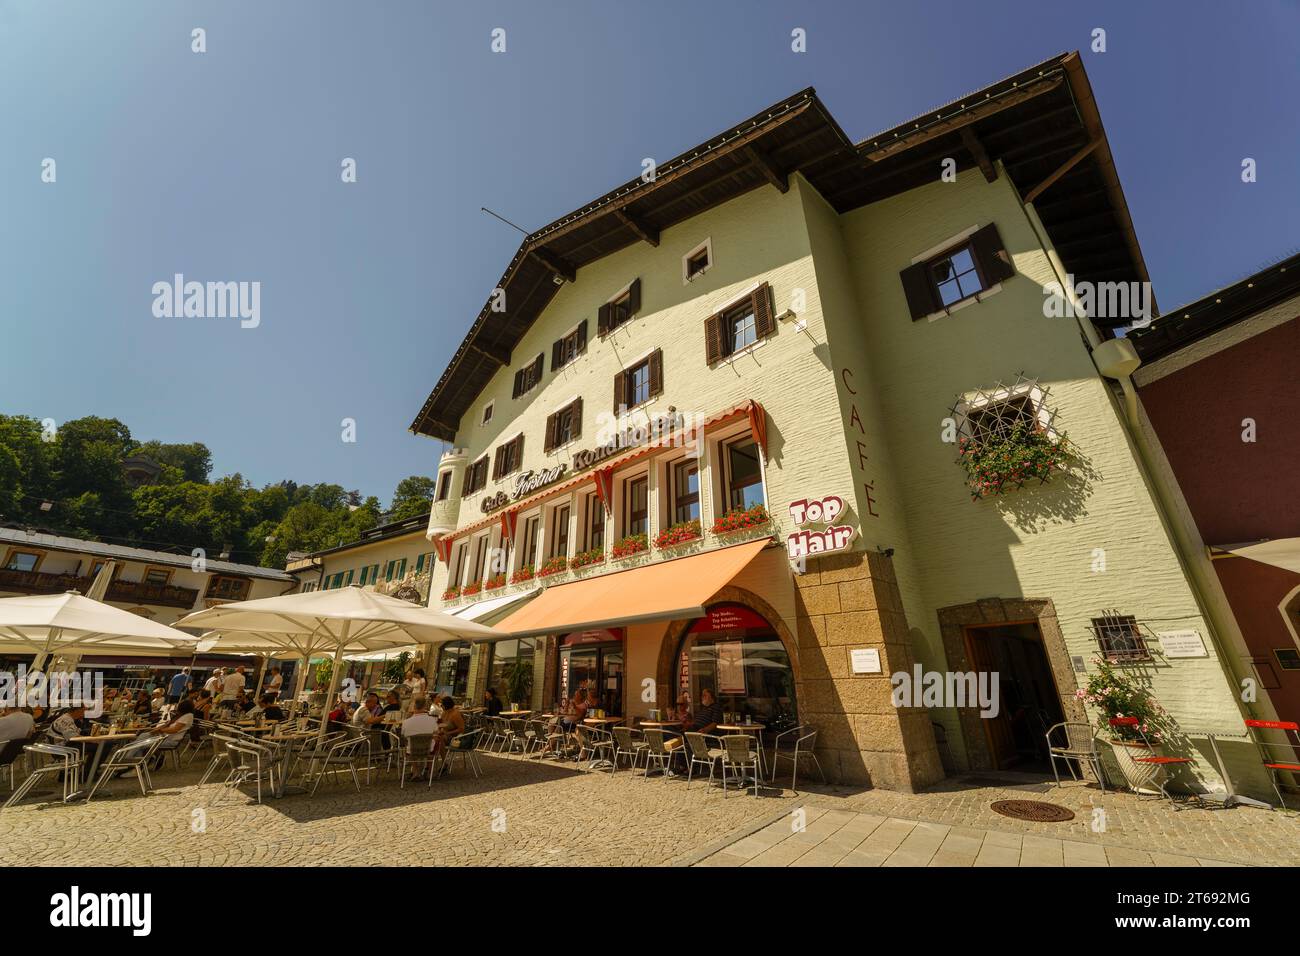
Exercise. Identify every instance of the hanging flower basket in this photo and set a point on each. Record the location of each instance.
(494, 582)
(998, 463)
(680, 533)
(632, 544)
(586, 559)
(522, 574)
(742, 519)
(451, 594)
(553, 565)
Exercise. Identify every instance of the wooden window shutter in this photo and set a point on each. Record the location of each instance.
(602, 319)
(519, 384)
(576, 427)
(715, 342)
(518, 461)
(496, 462)
(582, 337)
(634, 297)
(656, 372)
(993, 258)
(764, 320)
(557, 349)
(550, 432)
(538, 365)
(620, 391)
(920, 291)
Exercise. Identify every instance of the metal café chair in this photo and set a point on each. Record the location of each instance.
(793, 745)
(1076, 743)
(464, 746)
(739, 755)
(1269, 751)
(704, 749)
(133, 757)
(65, 761)
(656, 751)
(416, 751)
(627, 744)
(595, 746)
(10, 752)
(339, 756)
(251, 761)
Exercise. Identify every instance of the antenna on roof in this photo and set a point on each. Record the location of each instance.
(502, 218)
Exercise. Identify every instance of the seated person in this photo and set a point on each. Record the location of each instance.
(141, 707)
(71, 723)
(243, 703)
(343, 713)
(202, 704)
(450, 726)
(492, 702)
(705, 720)
(157, 699)
(370, 712)
(252, 711)
(270, 708)
(173, 730)
(419, 723)
(392, 703)
(17, 725)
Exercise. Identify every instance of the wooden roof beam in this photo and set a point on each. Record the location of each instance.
(771, 172)
(494, 353)
(643, 229)
(976, 149)
(1064, 168)
(560, 266)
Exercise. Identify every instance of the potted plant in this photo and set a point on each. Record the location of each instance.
(553, 566)
(522, 574)
(585, 559)
(631, 545)
(742, 519)
(681, 533)
(998, 463)
(519, 682)
(451, 594)
(494, 582)
(1116, 695)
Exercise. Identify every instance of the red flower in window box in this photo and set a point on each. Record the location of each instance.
(680, 533)
(585, 559)
(521, 574)
(632, 544)
(741, 519)
(553, 566)
(470, 590)
(451, 594)
(494, 582)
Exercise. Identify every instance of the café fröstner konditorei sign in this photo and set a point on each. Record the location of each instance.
(818, 511)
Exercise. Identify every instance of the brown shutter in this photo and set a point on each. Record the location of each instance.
(602, 319)
(550, 433)
(715, 349)
(991, 256)
(620, 391)
(634, 298)
(920, 291)
(577, 419)
(764, 320)
(538, 364)
(582, 337)
(555, 353)
(519, 384)
(656, 372)
(497, 461)
(519, 453)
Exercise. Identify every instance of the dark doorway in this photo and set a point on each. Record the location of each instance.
(1029, 702)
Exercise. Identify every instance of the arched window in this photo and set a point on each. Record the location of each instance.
(734, 653)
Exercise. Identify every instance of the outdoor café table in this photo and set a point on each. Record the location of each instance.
(99, 741)
(757, 731)
(289, 744)
(514, 713)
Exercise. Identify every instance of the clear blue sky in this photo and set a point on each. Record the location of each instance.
(225, 166)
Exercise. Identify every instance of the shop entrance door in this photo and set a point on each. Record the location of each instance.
(590, 661)
(1028, 700)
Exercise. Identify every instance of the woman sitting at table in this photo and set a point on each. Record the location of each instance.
(492, 702)
(450, 726)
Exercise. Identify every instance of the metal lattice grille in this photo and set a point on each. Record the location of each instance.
(1120, 637)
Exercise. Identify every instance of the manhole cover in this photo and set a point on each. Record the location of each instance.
(1033, 810)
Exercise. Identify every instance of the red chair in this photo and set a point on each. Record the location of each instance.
(1156, 779)
(1291, 743)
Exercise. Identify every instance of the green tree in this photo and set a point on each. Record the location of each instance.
(412, 497)
(193, 459)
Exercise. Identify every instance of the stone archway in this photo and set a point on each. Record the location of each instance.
(953, 622)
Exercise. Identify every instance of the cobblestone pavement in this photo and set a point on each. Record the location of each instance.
(952, 825)
(549, 814)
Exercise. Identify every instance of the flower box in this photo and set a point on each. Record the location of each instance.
(494, 582)
(999, 463)
(470, 590)
(554, 565)
(451, 594)
(742, 519)
(522, 574)
(680, 533)
(633, 544)
(587, 559)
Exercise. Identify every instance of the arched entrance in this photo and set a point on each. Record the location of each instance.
(737, 654)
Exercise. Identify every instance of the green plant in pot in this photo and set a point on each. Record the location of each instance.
(1114, 694)
(519, 682)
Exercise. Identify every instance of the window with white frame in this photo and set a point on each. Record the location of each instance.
(698, 261)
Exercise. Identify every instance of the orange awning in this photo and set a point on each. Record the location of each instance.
(666, 590)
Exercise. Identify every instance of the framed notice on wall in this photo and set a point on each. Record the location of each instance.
(1182, 644)
(866, 660)
(731, 667)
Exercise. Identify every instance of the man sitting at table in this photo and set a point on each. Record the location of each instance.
(492, 702)
(420, 723)
(270, 708)
(17, 725)
(173, 731)
(370, 712)
(706, 719)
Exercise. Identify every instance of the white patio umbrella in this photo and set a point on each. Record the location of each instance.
(48, 625)
(349, 620)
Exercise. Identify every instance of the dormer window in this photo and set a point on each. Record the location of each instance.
(698, 261)
(487, 413)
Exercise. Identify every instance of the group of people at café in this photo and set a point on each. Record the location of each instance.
(703, 719)
(441, 719)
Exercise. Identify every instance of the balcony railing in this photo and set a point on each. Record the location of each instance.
(133, 592)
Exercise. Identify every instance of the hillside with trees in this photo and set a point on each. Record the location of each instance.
(71, 481)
